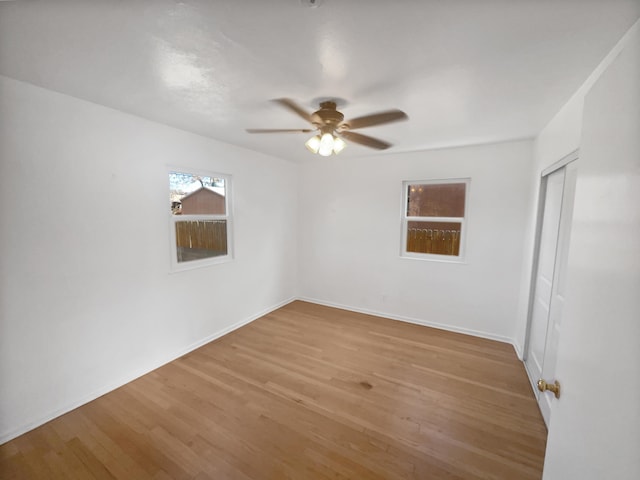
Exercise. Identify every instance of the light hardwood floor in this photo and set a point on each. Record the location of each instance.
(306, 392)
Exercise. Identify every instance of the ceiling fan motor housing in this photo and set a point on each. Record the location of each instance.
(328, 115)
(311, 3)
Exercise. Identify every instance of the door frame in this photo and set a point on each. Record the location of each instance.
(542, 192)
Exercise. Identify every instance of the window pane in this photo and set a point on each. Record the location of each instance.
(198, 239)
(440, 238)
(436, 200)
(196, 194)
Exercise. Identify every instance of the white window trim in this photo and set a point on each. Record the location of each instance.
(461, 257)
(176, 266)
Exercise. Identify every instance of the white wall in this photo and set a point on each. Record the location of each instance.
(595, 425)
(349, 238)
(87, 302)
(560, 137)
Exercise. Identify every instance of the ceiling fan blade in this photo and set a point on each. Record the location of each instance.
(279, 130)
(365, 140)
(376, 119)
(294, 107)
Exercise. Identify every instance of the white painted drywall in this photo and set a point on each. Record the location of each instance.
(560, 137)
(87, 302)
(349, 238)
(595, 425)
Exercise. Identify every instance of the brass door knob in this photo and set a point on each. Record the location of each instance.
(551, 387)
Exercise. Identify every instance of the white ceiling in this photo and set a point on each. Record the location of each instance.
(465, 71)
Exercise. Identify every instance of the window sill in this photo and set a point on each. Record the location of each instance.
(196, 264)
(434, 258)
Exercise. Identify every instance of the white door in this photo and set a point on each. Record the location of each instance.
(550, 281)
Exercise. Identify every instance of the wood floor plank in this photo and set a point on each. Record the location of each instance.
(305, 392)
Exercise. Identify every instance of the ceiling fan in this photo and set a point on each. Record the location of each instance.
(332, 128)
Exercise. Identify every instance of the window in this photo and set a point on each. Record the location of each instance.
(200, 219)
(433, 220)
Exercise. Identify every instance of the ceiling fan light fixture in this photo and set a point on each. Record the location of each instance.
(326, 144)
(338, 145)
(313, 144)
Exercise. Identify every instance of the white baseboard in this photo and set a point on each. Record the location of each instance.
(417, 321)
(519, 352)
(24, 428)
